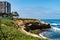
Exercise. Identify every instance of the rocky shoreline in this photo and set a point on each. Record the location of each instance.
(27, 25)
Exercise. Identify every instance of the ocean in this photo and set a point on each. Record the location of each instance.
(54, 32)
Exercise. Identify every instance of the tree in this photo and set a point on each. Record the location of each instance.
(15, 15)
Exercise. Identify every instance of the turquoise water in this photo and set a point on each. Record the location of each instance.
(54, 32)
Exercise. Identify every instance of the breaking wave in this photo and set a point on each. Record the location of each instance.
(54, 24)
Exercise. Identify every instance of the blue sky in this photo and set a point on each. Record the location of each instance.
(39, 9)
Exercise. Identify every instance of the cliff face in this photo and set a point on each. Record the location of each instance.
(34, 24)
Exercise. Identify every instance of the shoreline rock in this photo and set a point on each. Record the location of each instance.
(36, 25)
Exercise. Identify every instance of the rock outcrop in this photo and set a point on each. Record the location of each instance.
(36, 25)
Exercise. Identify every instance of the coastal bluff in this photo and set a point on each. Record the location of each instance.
(31, 26)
